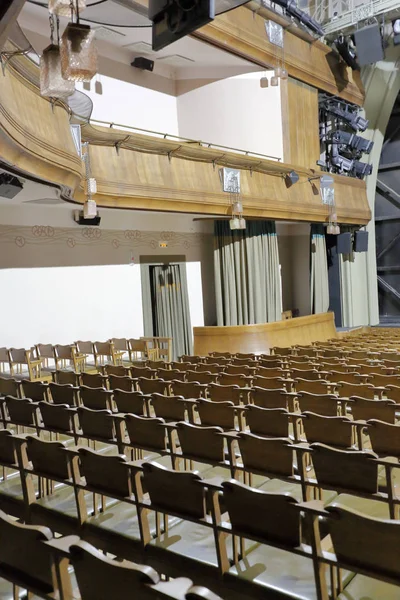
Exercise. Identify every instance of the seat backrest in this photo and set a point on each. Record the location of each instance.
(203, 443)
(175, 491)
(103, 348)
(57, 417)
(64, 352)
(253, 512)
(269, 383)
(267, 455)
(117, 382)
(84, 347)
(311, 386)
(21, 411)
(351, 470)
(63, 393)
(137, 345)
(106, 474)
(221, 414)
(9, 387)
(48, 458)
(382, 410)
(97, 423)
(273, 422)
(129, 402)
(95, 398)
(349, 377)
(45, 350)
(379, 379)
(103, 578)
(310, 375)
(209, 368)
(145, 432)
(182, 366)
(8, 451)
(4, 356)
(170, 374)
(240, 380)
(170, 408)
(24, 554)
(270, 372)
(64, 377)
(333, 431)
(222, 354)
(320, 404)
(205, 377)
(118, 370)
(120, 344)
(185, 358)
(143, 372)
(269, 398)
(152, 386)
(94, 380)
(223, 393)
(346, 390)
(35, 390)
(385, 438)
(188, 389)
(18, 355)
(365, 544)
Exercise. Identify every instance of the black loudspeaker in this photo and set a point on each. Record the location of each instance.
(343, 244)
(142, 63)
(10, 186)
(361, 241)
(369, 45)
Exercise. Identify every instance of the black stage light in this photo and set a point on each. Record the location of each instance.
(347, 51)
(361, 169)
(10, 186)
(351, 117)
(352, 141)
(142, 63)
(292, 9)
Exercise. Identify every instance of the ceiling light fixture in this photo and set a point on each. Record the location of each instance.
(52, 83)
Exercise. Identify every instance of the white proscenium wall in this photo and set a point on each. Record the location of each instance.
(61, 282)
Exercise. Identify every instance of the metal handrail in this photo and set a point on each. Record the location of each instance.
(182, 139)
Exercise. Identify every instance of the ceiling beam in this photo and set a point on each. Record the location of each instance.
(392, 269)
(386, 219)
(390, 245)
(9, 11)
(389, 166)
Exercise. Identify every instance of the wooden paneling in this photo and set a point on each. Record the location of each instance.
(133, 179)
(243, 32)
(300, 120)
(34, 136)
(261, 338)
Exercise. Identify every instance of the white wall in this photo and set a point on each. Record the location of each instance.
(234, 112)
(64, 304)
(129, 104)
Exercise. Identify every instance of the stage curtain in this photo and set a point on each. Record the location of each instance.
(247, 273)
(166, 305)
(319, 284)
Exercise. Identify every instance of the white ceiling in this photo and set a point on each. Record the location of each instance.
(185, 59)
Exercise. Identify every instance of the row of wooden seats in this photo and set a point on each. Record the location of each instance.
(213, 512)
(242, 452)
(34, 560)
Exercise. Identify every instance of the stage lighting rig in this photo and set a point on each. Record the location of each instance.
(292, 10)
(346, 113)
(347, 141)
(345, 47)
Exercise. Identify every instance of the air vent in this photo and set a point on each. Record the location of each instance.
(108, 35)
(140, 48)
(175, 60)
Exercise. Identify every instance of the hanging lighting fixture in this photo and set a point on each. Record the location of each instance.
(52, 84)
(62, 8)
(327, 190)
(90, 207)
(78, 49)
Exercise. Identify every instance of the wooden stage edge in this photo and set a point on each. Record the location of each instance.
(264, 336)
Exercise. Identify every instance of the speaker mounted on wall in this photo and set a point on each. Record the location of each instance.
(360, 241)
(369, 44)
(343, 243)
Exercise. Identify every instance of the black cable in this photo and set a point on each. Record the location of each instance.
(92, 20)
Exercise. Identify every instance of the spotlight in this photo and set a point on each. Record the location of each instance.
(291, 178)
(352, 141)
(347, 114)
(342, 163)
(347, 51)
(361, 169)
(142, 63)
(291, 8)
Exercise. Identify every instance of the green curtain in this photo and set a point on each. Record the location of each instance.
(166, 305)
(247, 273)
(319, 283)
